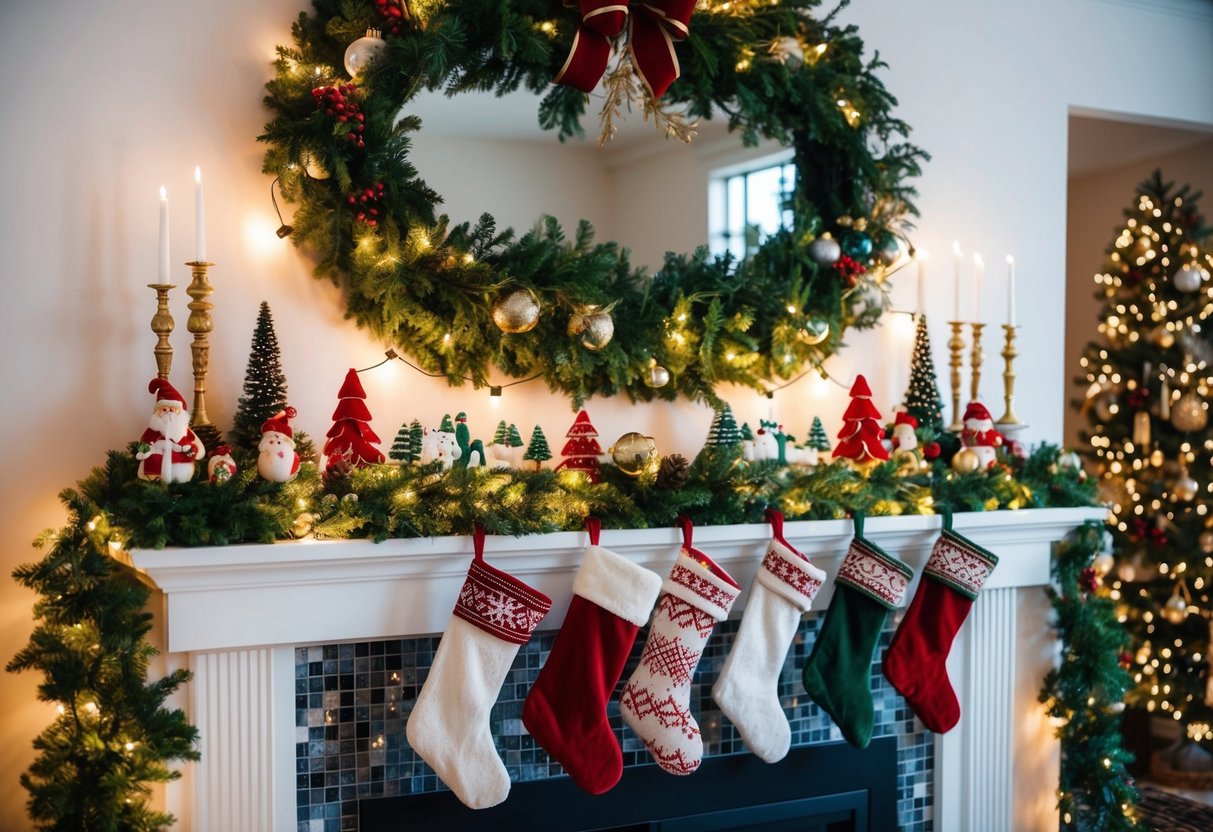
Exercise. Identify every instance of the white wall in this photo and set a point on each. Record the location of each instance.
(132, 95)
(1094, 216)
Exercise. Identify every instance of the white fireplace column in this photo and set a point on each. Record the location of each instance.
(235, 614)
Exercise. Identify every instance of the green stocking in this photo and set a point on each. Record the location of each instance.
(869, 584)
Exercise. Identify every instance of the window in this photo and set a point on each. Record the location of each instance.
(747, 205)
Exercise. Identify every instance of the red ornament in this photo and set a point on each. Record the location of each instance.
(1126, 659)
(1089, 580)
(931, 450)
(582, 450)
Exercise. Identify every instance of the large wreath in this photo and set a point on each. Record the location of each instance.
(340, 149)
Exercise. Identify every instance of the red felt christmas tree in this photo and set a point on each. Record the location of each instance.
(351, 442)
(582, 450)
(861, 434)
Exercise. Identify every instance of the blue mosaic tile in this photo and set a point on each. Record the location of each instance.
(353, 700)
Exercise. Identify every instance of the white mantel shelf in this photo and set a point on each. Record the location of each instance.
(236, 613)
(222, 598)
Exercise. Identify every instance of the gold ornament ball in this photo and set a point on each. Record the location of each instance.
(1185, 487)
(657, 376)
(632, 452)
(1103, 563)
(907, 462)
(593, 327)
(516, 311)
(1175, 610)
(1189, 414)
(1206, 542)
(966, 461)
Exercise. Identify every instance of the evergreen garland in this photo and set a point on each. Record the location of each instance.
(428, 286)
(922, 395)
(1085, 693)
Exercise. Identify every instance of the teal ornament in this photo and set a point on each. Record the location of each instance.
(857, 245)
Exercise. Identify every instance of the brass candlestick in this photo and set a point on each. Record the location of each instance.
(162, 325)
(200, 324)
(1008, 376)
(977, 356)
(956, 345)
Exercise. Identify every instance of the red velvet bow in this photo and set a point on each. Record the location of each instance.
(652, 29)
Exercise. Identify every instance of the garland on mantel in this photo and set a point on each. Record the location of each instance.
(113, 733)
(340, 149)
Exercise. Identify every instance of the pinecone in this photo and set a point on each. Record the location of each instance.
(338, 469)
(673, 472)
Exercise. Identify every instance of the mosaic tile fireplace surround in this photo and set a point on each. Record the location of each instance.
(308, 656)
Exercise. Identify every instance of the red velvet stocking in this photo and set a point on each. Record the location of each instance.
(566, 708)
(916, 661)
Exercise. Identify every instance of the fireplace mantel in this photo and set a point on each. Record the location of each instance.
(235, 613)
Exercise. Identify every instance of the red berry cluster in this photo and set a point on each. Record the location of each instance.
(1144, 531)
(392, 12)
(365, 204)
(849, 269)
(339, 103)
(1089, 580)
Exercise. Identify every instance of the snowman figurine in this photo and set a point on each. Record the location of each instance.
(277, 461)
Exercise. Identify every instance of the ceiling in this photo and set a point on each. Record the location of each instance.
(1104, 141)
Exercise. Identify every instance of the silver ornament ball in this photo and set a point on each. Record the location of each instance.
(362, 51)
(825, 251)
(1189, 414)
(516, 311)
(813, 331)
(1189, 278)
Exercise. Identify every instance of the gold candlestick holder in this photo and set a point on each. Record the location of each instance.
(200, 324)
(956, 346)
(976, 357)
(162, 325)
(1008, 418)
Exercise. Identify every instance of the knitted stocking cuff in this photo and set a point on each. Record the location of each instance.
(875, 573)
(500, 604)
(960, 564)
(788, 573)
(702, 584)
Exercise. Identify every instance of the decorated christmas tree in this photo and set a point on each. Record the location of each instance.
(351, 440)
(264, 389)
(537, 451)
(1148, 377)
(819, 440)
(922, 396)
(404, 448)
(724, 431)
(861, 434)
(582, 450)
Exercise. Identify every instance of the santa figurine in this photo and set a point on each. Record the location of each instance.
(168, 448)
(978, 434)
(904, 436)
(278, 461)
(220, 467)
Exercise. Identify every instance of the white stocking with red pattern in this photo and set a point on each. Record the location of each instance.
(655, 701)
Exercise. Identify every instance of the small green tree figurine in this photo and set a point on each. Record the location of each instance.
(724, 431)
(501, 434)
(403, 448)
(264, 389)
(819, 440)
(537, 452)
(922, 396)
